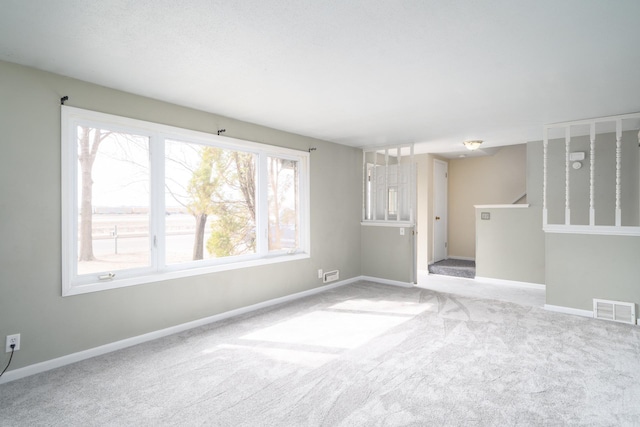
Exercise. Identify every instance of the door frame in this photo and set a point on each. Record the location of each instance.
(444, 218)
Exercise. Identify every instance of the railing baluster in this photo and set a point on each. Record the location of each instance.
(567, 208)
(545, 144)
(618, 166)
(592, 161)
(604, 176)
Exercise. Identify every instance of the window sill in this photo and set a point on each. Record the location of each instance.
(79, 289)
(388, 223)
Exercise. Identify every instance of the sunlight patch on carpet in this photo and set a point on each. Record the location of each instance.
(328, 329)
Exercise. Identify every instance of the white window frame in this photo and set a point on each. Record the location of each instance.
(73, 284)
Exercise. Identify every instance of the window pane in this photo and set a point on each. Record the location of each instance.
(210, 202)
(283, 204)
(113, 201)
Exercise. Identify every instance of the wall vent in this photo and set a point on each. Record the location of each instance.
(616, 311)
(331, 276)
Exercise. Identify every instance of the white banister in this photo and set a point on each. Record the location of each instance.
(386, 184)
(545, 144)
(592, 167)
(618, 166)
(597, 191)
(374, 188)
(412, 195)
(365, 178)
(567, 166)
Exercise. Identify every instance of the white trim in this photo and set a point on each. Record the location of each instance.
(515, 283)
(521, 205)
(387, 281)
(177, 274)
(596, 120)
(568, 310)
(128, 342)
(388, 223)
(607, 230)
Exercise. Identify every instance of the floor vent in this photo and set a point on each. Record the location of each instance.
(331, 276)
(624, 312)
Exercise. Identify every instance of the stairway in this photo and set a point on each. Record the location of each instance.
(454, 267)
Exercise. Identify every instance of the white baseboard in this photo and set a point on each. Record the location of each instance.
(387, 281)
(511, 283)
(462, 258)
(568, 310)
(128, 342)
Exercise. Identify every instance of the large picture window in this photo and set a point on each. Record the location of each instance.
(145, 202)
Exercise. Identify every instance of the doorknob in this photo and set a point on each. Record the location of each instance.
(437, 218)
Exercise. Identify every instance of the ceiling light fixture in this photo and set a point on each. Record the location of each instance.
(473, 144)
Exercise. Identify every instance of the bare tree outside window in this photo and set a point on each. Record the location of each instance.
(88, 144)
(113, 181)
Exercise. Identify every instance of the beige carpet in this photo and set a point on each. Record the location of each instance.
(360, 355)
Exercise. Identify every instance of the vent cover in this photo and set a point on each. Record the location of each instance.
(331, 276)
(616, 311)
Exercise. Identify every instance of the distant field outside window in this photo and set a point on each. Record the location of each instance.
(113, 203)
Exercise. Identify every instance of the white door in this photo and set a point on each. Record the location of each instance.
(440, 175)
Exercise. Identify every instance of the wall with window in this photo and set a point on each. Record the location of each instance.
(143, 202)
(31, 302)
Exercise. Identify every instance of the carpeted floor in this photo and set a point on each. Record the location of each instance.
(360, 355)
(454, 267)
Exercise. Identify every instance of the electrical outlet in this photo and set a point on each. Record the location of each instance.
(319, 273)
(13, 339)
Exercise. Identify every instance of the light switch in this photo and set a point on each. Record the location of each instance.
(402, 231)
